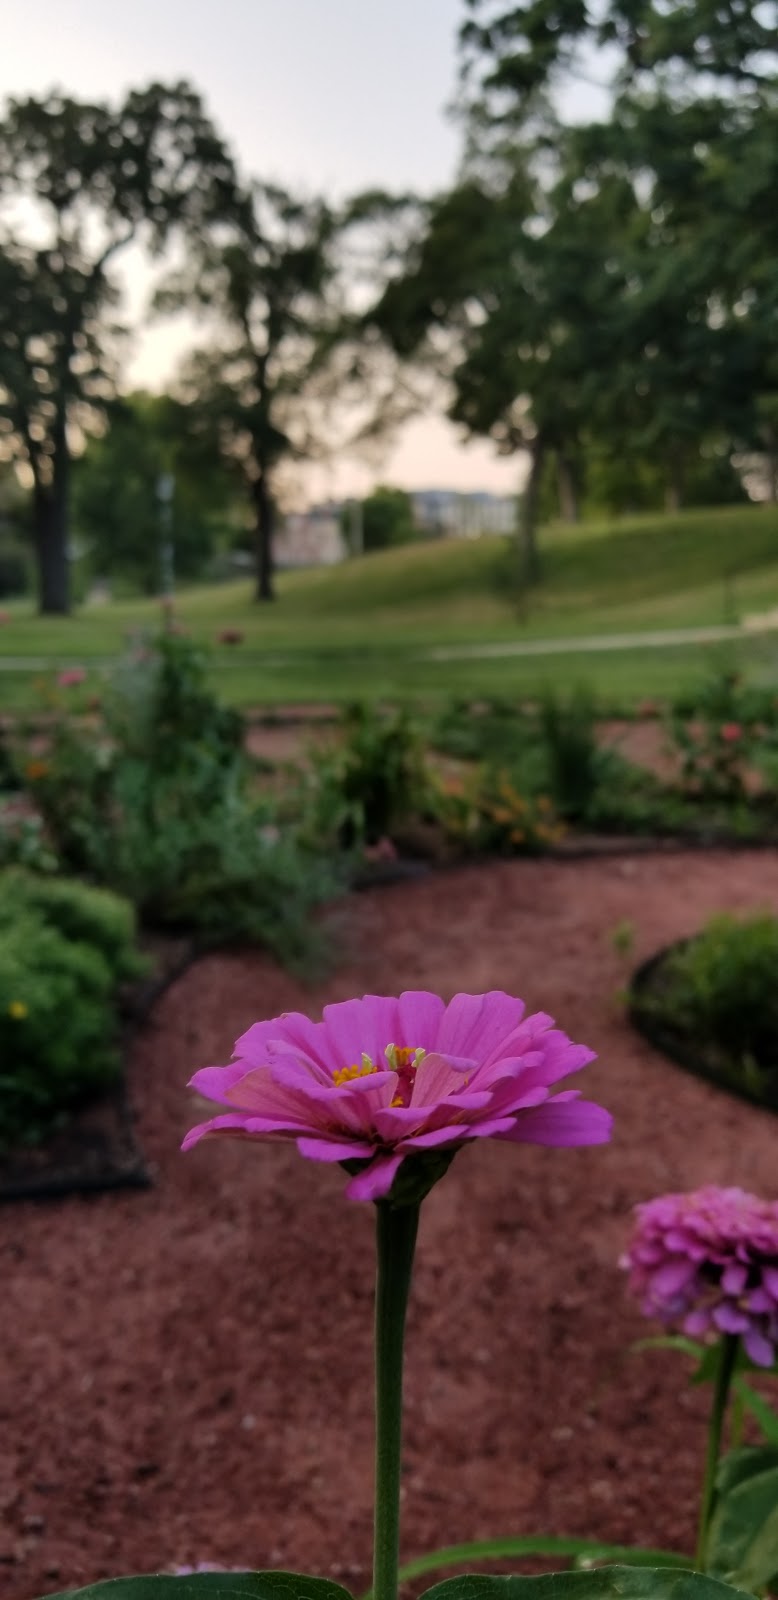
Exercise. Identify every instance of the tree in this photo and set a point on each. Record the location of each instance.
(512, 292)
(691, 132)
(387, 518)
(262, 388)
(116, 503)
(515, 55)
(90, 180)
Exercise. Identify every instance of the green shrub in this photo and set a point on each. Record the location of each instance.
(158, 802)
(23, 841)
(371, 783)
(64, 949)
(575, 760)
(718, 994)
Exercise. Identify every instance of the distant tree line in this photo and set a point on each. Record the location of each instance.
(603, 295)
(599, 297)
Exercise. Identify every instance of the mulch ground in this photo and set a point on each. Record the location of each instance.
(186, 1370)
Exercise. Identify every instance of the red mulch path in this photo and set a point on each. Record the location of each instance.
(186, 1372)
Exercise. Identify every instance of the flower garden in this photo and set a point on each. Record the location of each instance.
(187, 1380)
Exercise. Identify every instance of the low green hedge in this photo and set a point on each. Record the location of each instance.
(64, 950)
(711, 1003)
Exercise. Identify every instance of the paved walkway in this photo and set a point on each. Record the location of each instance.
(580, 644)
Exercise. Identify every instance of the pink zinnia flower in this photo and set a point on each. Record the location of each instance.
(709, 1261)
(70, 677)
(382, 1079)
(730, 732)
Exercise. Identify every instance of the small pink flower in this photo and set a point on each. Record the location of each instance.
(71, 677)
(730, 732)
(709, 1261)
(383, 1079)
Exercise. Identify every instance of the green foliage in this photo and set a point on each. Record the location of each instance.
(156, 801)
(581, 1552)
(116, 504)
(718, 735)
(372, 782)
(717, 993)
(570, 734)
(605, 1583)
(149, 166)
(257, 392)
(213, 1586)
(482, 811)
(742, 1546)
(14, 570)
(387, 518)
(64, 950)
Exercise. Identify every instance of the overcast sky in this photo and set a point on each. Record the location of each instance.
(332, 95)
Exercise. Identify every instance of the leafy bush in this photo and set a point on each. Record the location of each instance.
(575, 761)
(64, 950)
(482, 810)
(23, 841)
(372, 782)
(156, 802)
(718, 994)
(497, 732)
(720, 733)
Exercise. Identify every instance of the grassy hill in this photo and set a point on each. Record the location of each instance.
(364, 627)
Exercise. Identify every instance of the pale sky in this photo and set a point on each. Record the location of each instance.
(330, 95)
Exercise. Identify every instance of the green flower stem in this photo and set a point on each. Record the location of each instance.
(396, 1229)
(725, 1368)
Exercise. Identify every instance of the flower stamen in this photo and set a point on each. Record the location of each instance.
(360, 1069)
(404, 1059)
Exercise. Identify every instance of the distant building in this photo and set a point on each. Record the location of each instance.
(309, 539)
(449, 514)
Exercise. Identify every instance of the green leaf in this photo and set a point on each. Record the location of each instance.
(579, 1550)
(743, 1536)
(705, 1355)
(606, 1583)
(760, 1409)
(673, 1341)
(211, 1586)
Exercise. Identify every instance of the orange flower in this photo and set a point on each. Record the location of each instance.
(36, 769)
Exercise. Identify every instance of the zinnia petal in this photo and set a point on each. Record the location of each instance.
(572, 1123)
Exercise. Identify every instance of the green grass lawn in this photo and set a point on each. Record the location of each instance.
(363, 628)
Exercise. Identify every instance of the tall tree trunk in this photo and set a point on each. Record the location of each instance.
(527, 551)
(51, 550)
(263, 538)
(567, 487)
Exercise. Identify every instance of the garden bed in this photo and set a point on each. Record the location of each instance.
(651, 1011)
(187, 1370)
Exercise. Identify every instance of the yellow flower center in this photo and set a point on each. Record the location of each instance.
(17, 1010)
(401, 1058)
(361, 1069)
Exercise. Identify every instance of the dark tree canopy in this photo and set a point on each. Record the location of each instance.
(80, 182)
(261, 387)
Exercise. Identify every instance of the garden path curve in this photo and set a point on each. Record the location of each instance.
(186, 1372)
